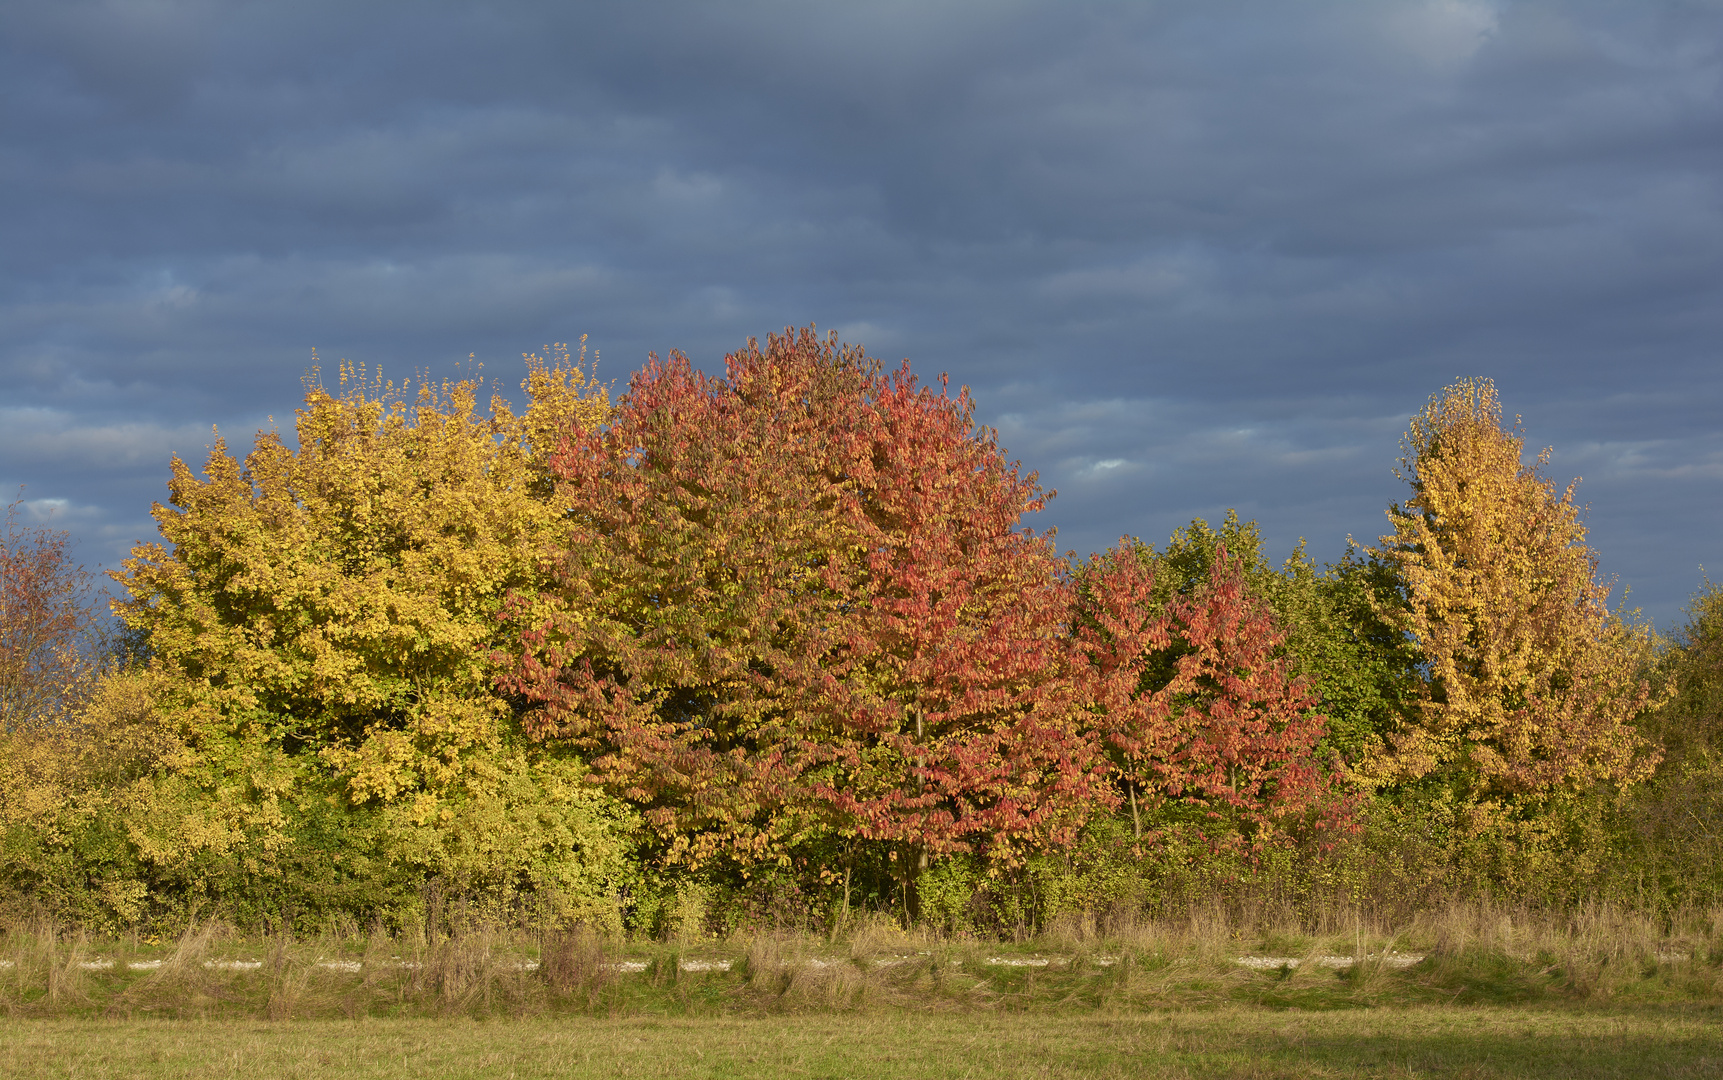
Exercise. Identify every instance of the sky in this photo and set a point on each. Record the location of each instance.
(1188, 256)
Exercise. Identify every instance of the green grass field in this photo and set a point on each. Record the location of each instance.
(1231, 1041)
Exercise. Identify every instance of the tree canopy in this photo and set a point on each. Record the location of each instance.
(787, 631)
(1533, 684)
(798, 604)
(331, 613)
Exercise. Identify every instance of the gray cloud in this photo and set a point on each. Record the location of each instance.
(1188, 255)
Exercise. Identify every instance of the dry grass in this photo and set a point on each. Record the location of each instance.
(1502, 992)
(1475, 954)
(577, 963)
(786, 972)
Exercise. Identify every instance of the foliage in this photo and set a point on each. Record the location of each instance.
(1194, 699)
(1691, 725)
(797, 606)
(1677, 819)
(50, 645)
(68, 793)
(330, 617)
(1532, 684)
(773, 650)
(1361, 669)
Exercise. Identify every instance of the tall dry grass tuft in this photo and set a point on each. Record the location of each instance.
(45, 967)
(464, 973)
(771, 962)
(1143, 946)
(12, 976)
(1594, 950)
(784, 973)
(68, 980)
(1208, 938)
(827, 984)
(875, 935)
(287, 974)
(1072, 932)
(576, 963)
(378, 969)
(1698, 933)
(182, 982)
(21, 970)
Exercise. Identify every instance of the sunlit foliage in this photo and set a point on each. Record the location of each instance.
(1532, 682)
(1195, 697)
(332, 613)
(753, 649)
(798, 605)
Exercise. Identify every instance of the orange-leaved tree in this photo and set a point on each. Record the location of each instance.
(1532, 683)
(798, 605)
(1196, 703)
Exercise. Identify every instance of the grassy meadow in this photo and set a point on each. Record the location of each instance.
(1224, 1041)
(1471, 991)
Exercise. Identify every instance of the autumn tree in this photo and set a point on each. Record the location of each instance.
(70, 794)
(1360, 667)
(1195, 696)
(798, 605)
(1677, 817)
(49, 636)
(1690, 726)
(963, 638)
(331, 611)
(1532, 684)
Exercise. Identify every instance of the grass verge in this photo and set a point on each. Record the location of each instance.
(1229, 1041)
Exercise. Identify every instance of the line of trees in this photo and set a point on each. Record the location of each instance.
(776, 644)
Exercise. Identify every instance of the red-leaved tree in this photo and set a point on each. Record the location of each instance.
(797, 603)
(1194, 701)
(48, 649)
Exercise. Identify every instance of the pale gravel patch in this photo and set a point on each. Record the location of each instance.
(705, 965)
(1275, 963)
(635, 967)
(1253, 962)
(351, 967)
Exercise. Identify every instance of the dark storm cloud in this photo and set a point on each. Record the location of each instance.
(1189, 255)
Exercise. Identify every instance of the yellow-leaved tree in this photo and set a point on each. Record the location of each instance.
(1532, 684)
(331, 615)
